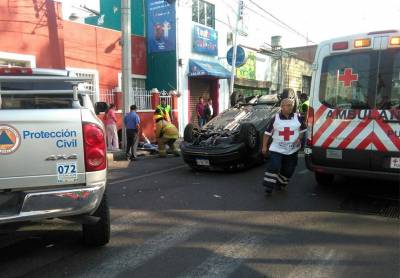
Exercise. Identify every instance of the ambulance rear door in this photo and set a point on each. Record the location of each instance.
(386, 148)
(342, 109)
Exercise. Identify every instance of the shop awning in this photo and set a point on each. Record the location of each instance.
(205, 68)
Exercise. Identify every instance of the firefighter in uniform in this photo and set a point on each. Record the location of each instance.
(286, 129)
(165, 109)
(166, 134)
(305, 103)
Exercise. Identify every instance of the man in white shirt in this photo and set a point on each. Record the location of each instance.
(287, 130)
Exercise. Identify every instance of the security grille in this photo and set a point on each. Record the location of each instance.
(89, 86)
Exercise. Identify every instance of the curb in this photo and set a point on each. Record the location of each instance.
(121, 156)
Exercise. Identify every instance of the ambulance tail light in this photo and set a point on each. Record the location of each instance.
(340, 45)
(15, 71)
(310, 124)
(395, 41)
(95, 148)
(362, 43)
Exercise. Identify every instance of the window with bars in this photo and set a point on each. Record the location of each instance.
(138, 84)
(203, 13)
(90, 86)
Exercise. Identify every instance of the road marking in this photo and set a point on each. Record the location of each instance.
(303, 172)
(147, 175)
(227, 258)
(130, 259)
(320, 262)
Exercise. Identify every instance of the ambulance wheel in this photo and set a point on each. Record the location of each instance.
(188, 133)
(98, 234)
(324, 179)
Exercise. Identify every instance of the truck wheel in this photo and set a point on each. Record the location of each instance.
(188, 133)
(324, 179)
(98, 234)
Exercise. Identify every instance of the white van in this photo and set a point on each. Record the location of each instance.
(354, 115)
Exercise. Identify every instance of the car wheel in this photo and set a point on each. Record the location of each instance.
(249, 135)
(324, 179)
(188, 133)
(98, 234)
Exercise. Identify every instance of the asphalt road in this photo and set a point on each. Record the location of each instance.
(170, 221)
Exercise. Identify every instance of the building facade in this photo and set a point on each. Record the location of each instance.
(187, 45)
(39, 34)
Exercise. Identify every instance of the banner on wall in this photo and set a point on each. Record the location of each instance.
(205, 40)
(161, 29)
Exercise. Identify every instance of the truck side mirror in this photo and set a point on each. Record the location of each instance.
(100, 107)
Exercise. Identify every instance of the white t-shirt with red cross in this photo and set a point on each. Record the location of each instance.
(284, 132)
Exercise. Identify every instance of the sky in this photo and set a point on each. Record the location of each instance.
(320, 19)
(316, 19)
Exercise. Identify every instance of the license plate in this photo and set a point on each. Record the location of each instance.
(67, 172)
(203, 162)
(395, 162)
(334, 154)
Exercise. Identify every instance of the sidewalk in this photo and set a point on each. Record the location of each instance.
(121, 156)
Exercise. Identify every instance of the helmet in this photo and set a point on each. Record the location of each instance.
(157, 117)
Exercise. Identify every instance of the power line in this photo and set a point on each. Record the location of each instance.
(281, 22)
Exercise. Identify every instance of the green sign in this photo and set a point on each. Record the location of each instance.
(248, 70)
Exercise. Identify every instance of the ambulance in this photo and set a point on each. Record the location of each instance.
(354, 114)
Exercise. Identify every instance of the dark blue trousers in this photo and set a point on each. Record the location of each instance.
(280, 169)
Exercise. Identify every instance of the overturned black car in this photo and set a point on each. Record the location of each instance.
(233, 139)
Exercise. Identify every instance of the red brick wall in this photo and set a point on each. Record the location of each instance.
(147, 124)
(33, 28)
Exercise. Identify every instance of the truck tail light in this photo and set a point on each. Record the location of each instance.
(310, 123)
(95, 148)
(15, 71)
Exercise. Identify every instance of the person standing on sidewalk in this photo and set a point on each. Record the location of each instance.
(132, 124)
(208, 110)
(200, 112)
(286, 129)
(111, 128)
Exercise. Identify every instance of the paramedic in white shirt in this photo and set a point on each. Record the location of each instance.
(287, 130)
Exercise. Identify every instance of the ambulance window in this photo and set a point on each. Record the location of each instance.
(347, 80)
(388, 87)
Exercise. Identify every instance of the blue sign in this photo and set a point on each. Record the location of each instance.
(205, 68)
(161, 29)
(205, 40)
(241, 57)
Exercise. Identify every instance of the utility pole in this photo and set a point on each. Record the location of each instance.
(238, 18)
(126, 60)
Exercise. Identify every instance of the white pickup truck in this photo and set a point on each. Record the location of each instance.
(53, 161)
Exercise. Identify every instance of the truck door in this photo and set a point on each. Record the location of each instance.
(342, 110)
(386, 154)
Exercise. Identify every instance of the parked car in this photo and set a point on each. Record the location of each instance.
(231, 140)
(52, 152)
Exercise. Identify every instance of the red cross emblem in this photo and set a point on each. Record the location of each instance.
(286, 133)
(347, 77)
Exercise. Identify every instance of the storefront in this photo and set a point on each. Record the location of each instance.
(203, 79)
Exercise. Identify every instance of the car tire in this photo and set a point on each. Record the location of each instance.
(188, 133)
(324, 179)
(248, 134)
(98, 234)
